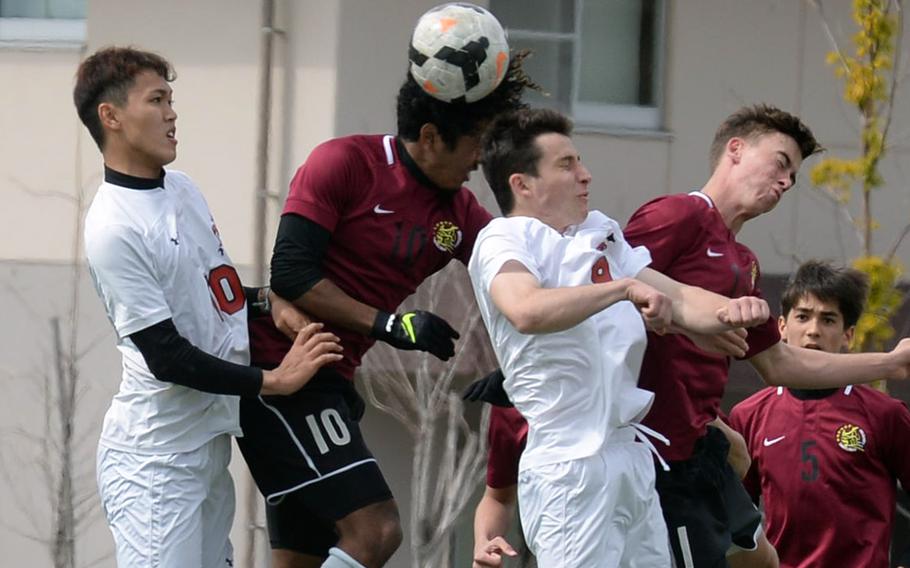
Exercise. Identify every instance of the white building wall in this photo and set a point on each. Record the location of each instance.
(338, 65)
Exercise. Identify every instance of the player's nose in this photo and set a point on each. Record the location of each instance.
(583, 175)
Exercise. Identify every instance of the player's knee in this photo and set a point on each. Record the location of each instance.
(390, 536)
(372, 533)
(384, 537)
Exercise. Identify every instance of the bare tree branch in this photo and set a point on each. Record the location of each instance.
(68, 482)
(897, 243)
(817, 4)
(416, 389)
(42, 194)
(895, 67)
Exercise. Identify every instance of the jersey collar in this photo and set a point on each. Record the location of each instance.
(132, 182)
(707, 199)
(817, 394)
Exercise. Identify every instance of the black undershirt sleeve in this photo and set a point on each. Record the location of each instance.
(297, 258)
(172, 358)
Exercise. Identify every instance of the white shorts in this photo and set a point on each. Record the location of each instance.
(172, 510)
(599, 511)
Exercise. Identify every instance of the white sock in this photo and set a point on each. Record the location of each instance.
(340, 559)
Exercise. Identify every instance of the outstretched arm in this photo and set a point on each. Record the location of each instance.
(531, 308)
(701, 311)
(172, 358)
(786, 365)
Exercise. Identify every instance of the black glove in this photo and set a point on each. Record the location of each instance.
(489, 389)
(418, 330)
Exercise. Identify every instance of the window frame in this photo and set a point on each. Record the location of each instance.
(592, 116)
(42, 33)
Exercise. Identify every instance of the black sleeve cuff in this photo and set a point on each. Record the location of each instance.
(300, 247)
(172, 358)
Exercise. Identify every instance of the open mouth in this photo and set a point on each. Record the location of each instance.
(812, 346)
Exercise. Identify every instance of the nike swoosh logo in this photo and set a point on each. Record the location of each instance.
(380, 211)
(408, 326)
(768, 442)
(713, 254)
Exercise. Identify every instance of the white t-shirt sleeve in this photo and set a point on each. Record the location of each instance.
(632, 259)
(123, 268)
(498, 245)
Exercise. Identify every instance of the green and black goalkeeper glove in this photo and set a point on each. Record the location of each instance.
(416, 330)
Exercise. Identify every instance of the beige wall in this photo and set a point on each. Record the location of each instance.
(337, 68)
(338, 64)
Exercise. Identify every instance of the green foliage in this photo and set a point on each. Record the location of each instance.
(874, 329)
(867, 88)
(837, 176)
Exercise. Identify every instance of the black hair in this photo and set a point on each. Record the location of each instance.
(456, 119)
(753, 121)
(847, 287)
(509, 147)
(107, 76)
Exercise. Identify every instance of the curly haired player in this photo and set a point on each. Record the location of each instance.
(367, 219)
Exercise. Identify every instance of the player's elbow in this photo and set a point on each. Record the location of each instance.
(771, 375)
(775, 365)
(526, 321)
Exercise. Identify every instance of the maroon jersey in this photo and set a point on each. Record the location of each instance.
(390, 231)
(690, 243)
(826, 469)
(507, 436)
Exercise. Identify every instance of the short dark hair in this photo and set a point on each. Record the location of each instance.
(510, 146)
(847, 287)
(750, 122)
(456, 119)
(106, 76)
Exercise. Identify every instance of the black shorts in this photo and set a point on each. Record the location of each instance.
(706, 507)
(309, 460)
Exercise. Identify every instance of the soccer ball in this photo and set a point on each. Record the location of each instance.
(458, 52)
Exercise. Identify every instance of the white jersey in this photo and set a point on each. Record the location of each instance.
(156, 254)
(575, 387)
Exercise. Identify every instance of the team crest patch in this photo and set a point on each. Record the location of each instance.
(446, 236)
(851, 438)
(754, 273)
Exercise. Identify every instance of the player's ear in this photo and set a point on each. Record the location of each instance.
(782, 327)
(734, 148)
(519, 184)
(109, 116)
(428, 135)
(848, 338)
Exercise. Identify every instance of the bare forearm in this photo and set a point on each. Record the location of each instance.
(784, 365)
(492, 518)
(532, 309)
(327, 302)
(695, 309)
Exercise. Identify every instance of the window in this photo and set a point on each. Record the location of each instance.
(599, 60)
(42, 23)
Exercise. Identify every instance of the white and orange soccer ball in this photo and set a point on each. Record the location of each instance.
(458, 52)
